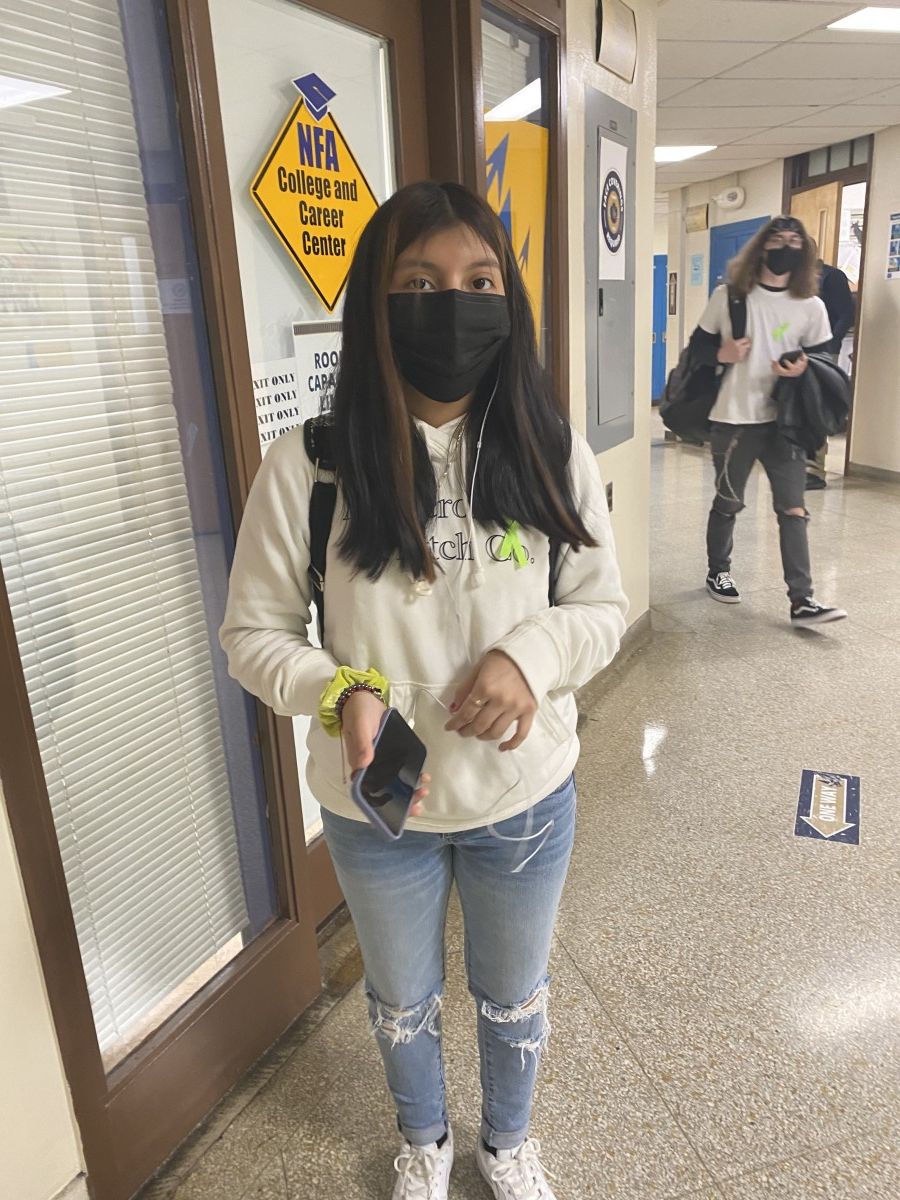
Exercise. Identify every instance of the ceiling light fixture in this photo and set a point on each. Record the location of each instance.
(674, 154)
(870, 20)
(519, 105)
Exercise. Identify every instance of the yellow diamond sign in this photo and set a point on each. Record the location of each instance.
(312, 192)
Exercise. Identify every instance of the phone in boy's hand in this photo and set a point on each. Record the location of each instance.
(385, 789)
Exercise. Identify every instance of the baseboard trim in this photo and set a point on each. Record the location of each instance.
(882, 474)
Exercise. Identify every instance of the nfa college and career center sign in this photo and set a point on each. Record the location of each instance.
(312, 191)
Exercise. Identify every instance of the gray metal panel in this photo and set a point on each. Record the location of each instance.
(609, 341)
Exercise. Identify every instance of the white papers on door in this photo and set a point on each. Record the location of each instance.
(275, 399)
(317, 354)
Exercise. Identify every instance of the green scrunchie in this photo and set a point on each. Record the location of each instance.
(344, 678)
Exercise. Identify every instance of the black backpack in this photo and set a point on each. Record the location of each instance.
(318, 438)
(693, 387)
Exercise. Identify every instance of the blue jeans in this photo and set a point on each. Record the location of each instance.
(510, 877)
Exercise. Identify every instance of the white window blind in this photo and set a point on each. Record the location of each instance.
(505, 64)
(96, 540)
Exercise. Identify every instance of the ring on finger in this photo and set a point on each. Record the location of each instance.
(479, 703)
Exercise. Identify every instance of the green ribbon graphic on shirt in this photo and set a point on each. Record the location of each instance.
(511, 546)
(780, 331)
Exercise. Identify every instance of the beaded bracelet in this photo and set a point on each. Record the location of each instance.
(348, 692)
(345, 681)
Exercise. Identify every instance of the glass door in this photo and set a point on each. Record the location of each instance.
(288, 75)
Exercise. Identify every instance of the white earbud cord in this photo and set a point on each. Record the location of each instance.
(478, 575)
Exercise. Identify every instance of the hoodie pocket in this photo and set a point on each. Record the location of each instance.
(471, 778)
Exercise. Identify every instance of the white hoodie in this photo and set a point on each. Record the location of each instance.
(426, 644)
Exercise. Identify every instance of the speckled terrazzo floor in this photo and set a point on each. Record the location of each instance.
(726, 995)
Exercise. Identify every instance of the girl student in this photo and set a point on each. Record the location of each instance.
(461, 491)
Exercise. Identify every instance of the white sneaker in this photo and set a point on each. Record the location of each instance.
(424, 1171)
(515, 1174)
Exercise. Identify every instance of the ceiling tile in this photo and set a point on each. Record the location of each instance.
(709, 135)
(726, 163)
(852, 116)
(834, 37)
(736, 20)
(786, 140)
(725, 118)
(890, 96)
(700, 60)
(716, 166)
(666, 89)
(810, 61)
(748, 93)
(738, 151)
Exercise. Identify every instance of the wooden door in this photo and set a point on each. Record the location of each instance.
(820, 211)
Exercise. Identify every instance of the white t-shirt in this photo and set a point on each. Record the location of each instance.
(776, 323)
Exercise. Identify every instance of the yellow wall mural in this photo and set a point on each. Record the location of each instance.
(518, 155)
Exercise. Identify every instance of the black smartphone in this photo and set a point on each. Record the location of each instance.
(791, 356)
(384, 789)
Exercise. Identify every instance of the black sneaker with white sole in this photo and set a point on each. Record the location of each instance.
(722, 588)
(809, 612)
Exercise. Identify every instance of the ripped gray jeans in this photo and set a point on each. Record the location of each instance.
(735, 450)
(510, 878)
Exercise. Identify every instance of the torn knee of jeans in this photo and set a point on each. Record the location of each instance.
(800, 513)
(728, 508)
(525, 1026)
(399, 1026)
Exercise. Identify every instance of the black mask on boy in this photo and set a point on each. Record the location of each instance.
(444, 342)
(785, 260)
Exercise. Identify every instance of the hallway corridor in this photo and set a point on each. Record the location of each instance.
(726, 993)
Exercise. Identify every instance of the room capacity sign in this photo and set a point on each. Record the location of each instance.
(312, 191)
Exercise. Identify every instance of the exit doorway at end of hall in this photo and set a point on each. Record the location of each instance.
(827, 189)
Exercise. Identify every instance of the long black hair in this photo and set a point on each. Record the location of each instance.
(386, 476)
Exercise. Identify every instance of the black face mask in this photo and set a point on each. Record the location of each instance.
(785, 260)
(444, 342)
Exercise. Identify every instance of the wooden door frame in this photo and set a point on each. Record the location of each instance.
(131, 1118)
(456, 130)
(858, 323)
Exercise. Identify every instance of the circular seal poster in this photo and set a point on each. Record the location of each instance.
(612, 211)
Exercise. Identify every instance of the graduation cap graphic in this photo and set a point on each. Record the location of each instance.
(316, 93)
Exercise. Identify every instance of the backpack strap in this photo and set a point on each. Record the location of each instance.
(737, 311)
(318, 439)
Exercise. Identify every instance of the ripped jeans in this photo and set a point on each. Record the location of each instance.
(510, 878)
(736, 449)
